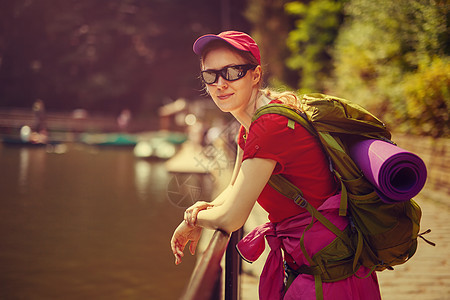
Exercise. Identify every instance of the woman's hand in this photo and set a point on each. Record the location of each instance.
(190, 215)
(182, 235)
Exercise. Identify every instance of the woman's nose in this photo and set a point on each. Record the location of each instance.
(221, 82)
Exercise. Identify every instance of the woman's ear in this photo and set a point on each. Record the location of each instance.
(257, 73)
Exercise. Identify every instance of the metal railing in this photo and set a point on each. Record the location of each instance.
(206, 282)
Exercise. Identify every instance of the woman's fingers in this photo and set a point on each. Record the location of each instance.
(177, 247)
(187, 215)
(193, 246)
(190, 214)
(194, 216)
(177, 259)
(182, 235)
(177, 251)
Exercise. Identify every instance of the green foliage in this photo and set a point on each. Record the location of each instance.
(309, 43)
(428, 94)
(382, 45)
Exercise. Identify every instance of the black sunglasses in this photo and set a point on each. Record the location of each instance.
(230, 73)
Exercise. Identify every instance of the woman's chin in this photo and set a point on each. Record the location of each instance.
(224, 107)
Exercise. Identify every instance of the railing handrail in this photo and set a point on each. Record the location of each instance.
(206, 279)
(205, 282)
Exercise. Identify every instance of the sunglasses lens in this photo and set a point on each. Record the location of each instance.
(235, 73)
(209, 77)
(231, 73)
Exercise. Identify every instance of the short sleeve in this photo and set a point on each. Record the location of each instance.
(269, 138)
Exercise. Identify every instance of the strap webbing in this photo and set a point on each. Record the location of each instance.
(372, 269)
(318, 285)
(331, 142)
(286, 188)
(343, 206)
(299, 117)
(290, 113)
(318, 272)
(428, 242)
(358, 251)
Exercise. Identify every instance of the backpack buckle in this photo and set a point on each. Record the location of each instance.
(300, 201)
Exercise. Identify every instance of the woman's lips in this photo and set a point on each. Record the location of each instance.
(224, 97)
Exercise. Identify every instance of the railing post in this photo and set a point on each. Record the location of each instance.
(233, 267)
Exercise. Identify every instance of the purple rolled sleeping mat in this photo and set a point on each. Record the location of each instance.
(399, 175)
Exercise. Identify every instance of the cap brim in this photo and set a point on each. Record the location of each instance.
(237, 40)
(202, 41)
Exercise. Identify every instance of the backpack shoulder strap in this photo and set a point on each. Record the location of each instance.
(284, 186)
(291, 113)
(296, 115)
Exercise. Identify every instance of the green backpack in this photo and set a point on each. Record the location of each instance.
(382, 235)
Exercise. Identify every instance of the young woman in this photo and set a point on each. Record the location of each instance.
(231, 72)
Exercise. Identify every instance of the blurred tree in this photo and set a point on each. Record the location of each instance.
(392, 57)
(312, 38)
(428, 99)
(270, 28)
(104, 55)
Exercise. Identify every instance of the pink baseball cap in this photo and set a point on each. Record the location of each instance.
(237, 39)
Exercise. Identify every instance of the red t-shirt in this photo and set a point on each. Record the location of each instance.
(299, 159)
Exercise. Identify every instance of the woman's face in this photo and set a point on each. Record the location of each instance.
(231, 96)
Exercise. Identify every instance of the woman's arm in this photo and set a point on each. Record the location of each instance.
(190, 215)
(236, 205)
(253, 175)
(237, 166)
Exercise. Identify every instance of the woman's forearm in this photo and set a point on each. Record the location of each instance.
(239, 199)
(220, 199)
(230, 214)
(211, 218)
(221, 217)
(226, 192)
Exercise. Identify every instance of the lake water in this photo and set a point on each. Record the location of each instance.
(90, 223)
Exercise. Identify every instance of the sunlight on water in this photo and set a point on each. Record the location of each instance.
(92, 223)
(142, 172)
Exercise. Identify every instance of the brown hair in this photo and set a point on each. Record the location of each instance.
(288, 98)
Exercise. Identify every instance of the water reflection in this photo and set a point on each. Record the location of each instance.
(142, 172)
(23, 169)
(31, 168)
(87, 224)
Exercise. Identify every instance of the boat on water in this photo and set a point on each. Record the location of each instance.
(160, 145)
(28, 137)
(155, 144)
(109, 139)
